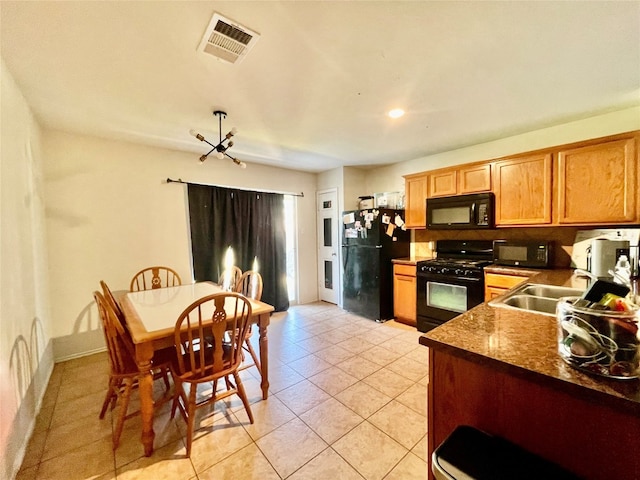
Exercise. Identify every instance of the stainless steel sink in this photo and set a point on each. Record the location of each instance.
(534, 304)
(533, 297)
(549, 291)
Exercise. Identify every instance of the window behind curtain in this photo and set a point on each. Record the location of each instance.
(252, 223)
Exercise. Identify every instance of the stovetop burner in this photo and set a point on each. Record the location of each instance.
(456, 262)
(460, 257)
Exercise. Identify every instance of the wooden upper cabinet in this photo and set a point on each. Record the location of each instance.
(442, 183)
(523, 190)
(474, 179)
(594, 182)
(460, 180)
(416, 195)
(598, 183)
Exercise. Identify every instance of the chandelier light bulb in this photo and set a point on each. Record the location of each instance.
(219, 155)
(240, 163)
(234, 131)
(197, 135)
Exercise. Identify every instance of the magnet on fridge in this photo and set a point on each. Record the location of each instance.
(349, 218)
(390, 229)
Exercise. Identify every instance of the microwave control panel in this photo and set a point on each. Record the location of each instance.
(483, 214)
(542, 253)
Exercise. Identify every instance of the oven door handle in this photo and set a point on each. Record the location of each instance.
(448, 279)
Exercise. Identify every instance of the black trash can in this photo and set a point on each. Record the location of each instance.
(470, 454)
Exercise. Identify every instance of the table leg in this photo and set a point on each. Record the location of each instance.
(263, 322)
(144, 353)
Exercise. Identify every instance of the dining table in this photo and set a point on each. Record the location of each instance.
(151, 317)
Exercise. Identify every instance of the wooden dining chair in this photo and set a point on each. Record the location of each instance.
(108, 295)
(123, 370)
(208, 336)
(154, 277)
(161, 357)
(230, 277)
(250, 285)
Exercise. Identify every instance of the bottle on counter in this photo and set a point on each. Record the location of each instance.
(622, 270)
(634, 279)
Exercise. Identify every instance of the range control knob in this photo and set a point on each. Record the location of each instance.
(468, 273)
(444, 270)
(459, 271)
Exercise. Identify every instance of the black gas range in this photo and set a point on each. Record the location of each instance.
(451, 283)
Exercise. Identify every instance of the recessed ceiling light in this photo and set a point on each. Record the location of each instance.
(396, 113)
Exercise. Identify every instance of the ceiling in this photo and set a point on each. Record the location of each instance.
(313, 92)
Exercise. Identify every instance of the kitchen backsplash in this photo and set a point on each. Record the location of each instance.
(563, 238)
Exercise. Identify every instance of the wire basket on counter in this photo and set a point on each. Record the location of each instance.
(599, 340)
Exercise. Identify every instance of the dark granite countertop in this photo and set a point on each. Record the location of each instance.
(501, 269)
(525, 344)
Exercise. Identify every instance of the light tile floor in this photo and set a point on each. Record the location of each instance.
(347, 401)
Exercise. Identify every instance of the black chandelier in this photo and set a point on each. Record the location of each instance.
(220, 148)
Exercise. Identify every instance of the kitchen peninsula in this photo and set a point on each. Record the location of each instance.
(498, 370)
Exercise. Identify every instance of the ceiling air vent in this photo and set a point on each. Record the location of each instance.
(227, 40)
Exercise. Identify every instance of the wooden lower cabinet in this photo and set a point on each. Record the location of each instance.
(404, 294)
(495, 284)
(577, 433)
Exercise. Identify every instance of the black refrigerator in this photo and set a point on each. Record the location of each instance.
(370, 239)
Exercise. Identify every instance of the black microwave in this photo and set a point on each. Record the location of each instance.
(461, 212)
(532, 254)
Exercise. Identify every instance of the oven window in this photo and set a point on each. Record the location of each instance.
(443, 216)
(447, 296)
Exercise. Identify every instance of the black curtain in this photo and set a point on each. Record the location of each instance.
(252, 223)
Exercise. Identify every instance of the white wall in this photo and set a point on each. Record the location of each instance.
(388, 179)
(333, 179)
(355, 186)
(350, 183)
(26, 358)
(110, 213)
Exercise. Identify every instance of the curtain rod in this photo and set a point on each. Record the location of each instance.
(170, 180)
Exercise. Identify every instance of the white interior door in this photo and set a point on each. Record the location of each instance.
(328, 246)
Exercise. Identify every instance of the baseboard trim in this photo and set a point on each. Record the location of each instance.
(80, 354)
(78, 345)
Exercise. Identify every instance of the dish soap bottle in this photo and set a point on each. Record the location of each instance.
(622, 271)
